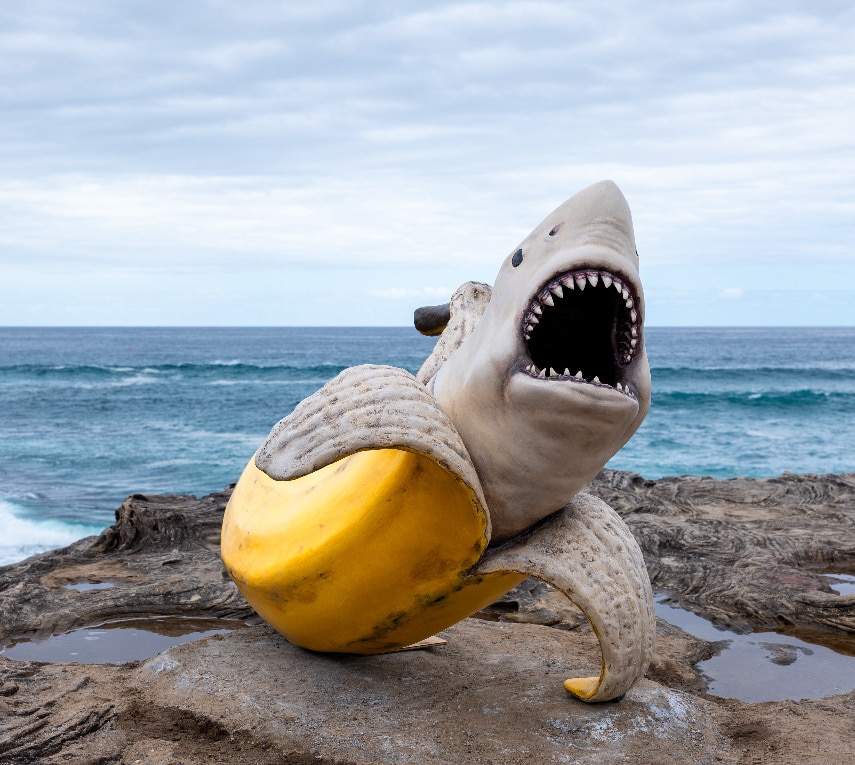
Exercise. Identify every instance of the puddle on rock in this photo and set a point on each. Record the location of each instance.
(117, 642)
(83, 586)
(842, 584)
(768, 666)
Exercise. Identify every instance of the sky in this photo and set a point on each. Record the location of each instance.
(342, 162)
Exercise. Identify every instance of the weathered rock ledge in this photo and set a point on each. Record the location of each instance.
(746, 553)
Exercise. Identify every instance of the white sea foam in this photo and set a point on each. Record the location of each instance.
(177, 462)
(140, 379)
(249, 381)
(22, 536)
(136, 379)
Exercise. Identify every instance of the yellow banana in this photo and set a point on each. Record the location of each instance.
(357, 557)
(387, 507)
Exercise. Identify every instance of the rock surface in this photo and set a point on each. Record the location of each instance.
(746, 553)
(162, 555)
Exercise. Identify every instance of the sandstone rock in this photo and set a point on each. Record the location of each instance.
(746, 552)
(161, 555)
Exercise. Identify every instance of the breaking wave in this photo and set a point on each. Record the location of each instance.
(23, 537)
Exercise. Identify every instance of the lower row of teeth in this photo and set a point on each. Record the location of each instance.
(546, 373)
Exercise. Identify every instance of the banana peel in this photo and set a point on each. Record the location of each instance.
(360, 527)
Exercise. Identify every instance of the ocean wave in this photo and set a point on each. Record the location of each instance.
(123, 383)
(23, 537)
(230, 372)
(64, 370)
(215, 367)
(778, 398)
(140, 379)
(319, 381)
(829, 371)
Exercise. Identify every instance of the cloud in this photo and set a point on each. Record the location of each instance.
(401, 136)
(189, 221)
(409, 292)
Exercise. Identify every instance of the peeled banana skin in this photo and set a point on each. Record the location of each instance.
(383, 547)
(386, 508)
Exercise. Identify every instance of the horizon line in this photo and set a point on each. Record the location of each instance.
(389, 326)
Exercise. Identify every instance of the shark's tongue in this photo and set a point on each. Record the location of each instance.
(584, 325)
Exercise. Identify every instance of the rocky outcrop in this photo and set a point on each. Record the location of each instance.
(747, 553)
(161, 555)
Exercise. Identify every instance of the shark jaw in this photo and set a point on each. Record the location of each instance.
(536, 432)
(584, 327)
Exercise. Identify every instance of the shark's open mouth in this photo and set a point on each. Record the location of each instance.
(583, 326)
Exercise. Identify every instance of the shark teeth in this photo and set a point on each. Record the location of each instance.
(553, 292)
(532, 370)
(614, 316)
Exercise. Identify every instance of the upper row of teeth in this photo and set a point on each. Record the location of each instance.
(579, 280)
(544, 374)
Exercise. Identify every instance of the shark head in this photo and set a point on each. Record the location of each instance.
(554, 378)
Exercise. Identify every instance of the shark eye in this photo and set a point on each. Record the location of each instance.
(517, 258)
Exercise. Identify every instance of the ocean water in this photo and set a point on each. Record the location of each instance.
(90, 415)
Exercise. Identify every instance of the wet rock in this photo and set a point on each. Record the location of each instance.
(493, 693)
(161, 556)
(534, 602)
(745, 553)
(784, 655)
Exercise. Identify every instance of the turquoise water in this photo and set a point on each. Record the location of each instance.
(90, 415)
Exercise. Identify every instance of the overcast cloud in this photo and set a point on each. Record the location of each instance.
(345, 162)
